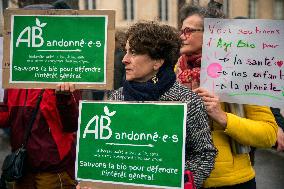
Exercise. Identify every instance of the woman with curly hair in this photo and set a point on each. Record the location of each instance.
(151, 53)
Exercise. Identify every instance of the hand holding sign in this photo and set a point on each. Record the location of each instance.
(78, 187)
(65, 87)
(213, 106)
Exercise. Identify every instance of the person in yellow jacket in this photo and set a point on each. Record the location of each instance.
(257, 129)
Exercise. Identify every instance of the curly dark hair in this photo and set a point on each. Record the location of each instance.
(204, 12)
(157, 41)
(120, 40)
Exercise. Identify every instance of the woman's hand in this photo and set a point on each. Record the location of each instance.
(78, 187)
(65, 87)
(213, 106)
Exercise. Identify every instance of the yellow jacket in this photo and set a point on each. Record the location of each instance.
(258, 130)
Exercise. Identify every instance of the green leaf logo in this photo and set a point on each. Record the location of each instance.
(41, 25)
(106, 110)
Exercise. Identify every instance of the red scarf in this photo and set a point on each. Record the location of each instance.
(188, 69)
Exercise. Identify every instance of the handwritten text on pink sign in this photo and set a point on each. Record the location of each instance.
(243, 60)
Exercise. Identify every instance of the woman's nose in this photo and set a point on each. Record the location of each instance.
(126, 59)
(182, 36)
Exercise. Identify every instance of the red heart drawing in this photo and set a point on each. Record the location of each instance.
(279, 63)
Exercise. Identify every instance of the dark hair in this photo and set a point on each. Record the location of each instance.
(189, 10)
(60, 4)
(215, 5)
(120, 39)
(157, 41)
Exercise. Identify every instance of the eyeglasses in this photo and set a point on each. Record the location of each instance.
(188, 31)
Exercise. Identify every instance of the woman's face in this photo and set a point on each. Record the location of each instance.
(139, 68)
(192, 35)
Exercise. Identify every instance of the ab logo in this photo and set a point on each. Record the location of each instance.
(102, 125)
(33, 35)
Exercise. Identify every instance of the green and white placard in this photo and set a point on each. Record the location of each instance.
(139, 144)
(52, 46)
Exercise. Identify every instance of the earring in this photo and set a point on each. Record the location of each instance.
(155, 79)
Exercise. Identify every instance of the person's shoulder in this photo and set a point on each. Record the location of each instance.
(182, 93)
(117, 91)
(115, 94)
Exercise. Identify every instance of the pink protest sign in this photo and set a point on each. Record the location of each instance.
(243, 60)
